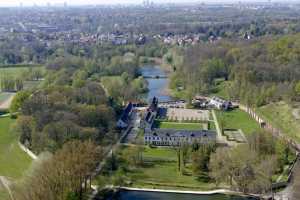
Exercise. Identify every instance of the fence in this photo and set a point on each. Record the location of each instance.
(268, 127)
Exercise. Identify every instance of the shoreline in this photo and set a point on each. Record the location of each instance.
(209, 192)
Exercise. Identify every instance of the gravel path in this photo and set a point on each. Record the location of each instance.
(6, 104)
(6, 184)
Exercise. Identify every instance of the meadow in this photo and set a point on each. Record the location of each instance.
(280, 115)
(159, 170)
(13, 161)
(238, 119)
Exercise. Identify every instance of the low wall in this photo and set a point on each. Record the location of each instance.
(26, 150)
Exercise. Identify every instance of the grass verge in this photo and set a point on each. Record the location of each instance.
(280, 116)
(13, 161)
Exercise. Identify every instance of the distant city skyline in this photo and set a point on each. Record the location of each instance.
(107, 2)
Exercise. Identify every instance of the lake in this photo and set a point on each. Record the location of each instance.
(158, 87)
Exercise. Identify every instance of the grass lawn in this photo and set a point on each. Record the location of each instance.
(13, 161)
(3, 193)
(237, 119)
(160, 171)
(179, 126)
(280, 116)
(160, 153)
(165, 175)
(18, 71)
(13, 71)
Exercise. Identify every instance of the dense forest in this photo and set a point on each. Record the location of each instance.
(80, 98)
(255, 72)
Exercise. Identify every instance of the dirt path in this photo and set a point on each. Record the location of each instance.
(296, 182)
(6, 104)
(6, 184)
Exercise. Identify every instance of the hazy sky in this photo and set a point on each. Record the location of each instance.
(79, 2)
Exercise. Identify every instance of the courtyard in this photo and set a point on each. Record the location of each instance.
(182, 114)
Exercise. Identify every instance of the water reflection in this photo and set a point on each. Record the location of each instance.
(158, 87)
(138, 195)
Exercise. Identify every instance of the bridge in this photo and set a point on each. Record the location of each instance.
(156, 76)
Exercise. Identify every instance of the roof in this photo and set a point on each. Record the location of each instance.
(154, 104)
(182, 133)
(126, 112)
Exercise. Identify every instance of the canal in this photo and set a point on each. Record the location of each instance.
(158, 87)
(138, 195)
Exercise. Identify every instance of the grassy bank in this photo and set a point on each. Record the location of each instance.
(280, 115)
(14, 162)
(159, 170)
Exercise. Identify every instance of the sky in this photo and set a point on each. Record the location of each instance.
(85, 2)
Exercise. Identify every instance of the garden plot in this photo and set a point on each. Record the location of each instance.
(235, 135)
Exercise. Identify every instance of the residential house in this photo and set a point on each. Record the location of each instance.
(220, 104)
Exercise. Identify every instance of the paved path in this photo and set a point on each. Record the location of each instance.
(6, 104)
(26, 150)
(6, 184)
(220, 137)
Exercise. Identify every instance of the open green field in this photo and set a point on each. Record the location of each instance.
(165, 175)
(280, 116)
(19, 70)
(160, 171)
(178, 125)
(13, 71)
(237, 119)
(159, 153)
(3, 193)
(13, 161)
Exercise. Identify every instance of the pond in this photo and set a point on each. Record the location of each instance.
(139, 195)
(158, 87)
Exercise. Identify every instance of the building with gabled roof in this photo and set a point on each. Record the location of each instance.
(173, 137)
(123, 122)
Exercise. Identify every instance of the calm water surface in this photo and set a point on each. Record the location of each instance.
(157, 87)
(138, 195)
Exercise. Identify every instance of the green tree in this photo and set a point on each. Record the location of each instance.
(18, 100)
